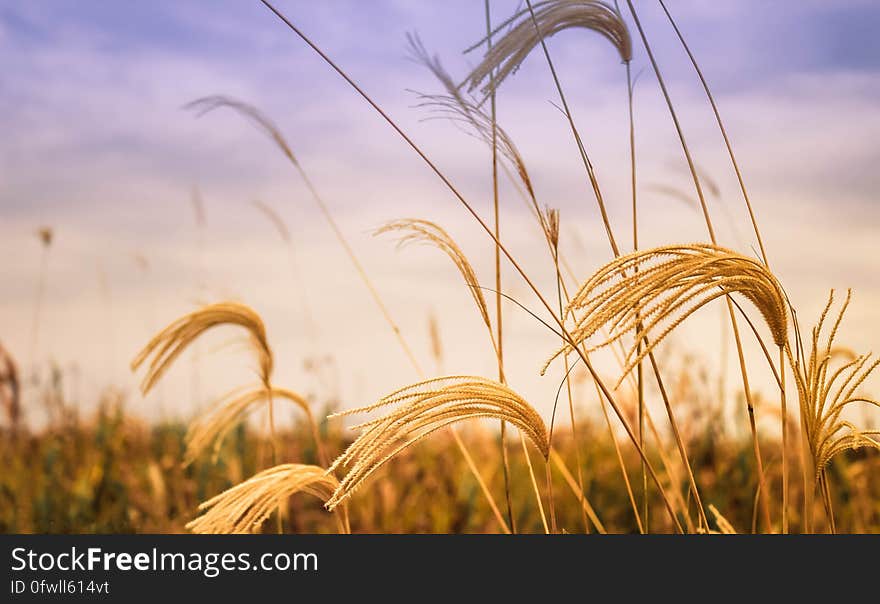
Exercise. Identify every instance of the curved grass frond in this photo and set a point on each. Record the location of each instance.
(169, 343)
(275, 219)
(211, 428)
(724, 527)
(463, 111)
(412, 230)
(244, 507)
(210, 103)
(655, 290)
(423, 408)
(826, 388)
(550, 17)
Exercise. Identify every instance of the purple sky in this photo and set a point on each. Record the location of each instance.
(96, 145)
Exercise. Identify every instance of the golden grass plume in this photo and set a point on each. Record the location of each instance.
(550, 17)
(826, 388)
(724, 526)
(463, 111)
(655, 290)
(209, 103)
(244, 507)
(413, 230)
(423, 408)
(210, 429)
(169, 343)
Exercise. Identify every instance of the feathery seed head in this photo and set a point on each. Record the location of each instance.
(423, 408)
(550, 17)
(210, 103)
(244, 507)
(464, 111)
(827, 387)
(169, 343)
(411, 230)
(210, 428)
(653, 291)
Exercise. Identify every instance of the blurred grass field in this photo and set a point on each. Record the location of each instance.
(113, 472)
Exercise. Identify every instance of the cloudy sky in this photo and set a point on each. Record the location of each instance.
(97, 146)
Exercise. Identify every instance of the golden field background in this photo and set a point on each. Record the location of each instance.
(115, 473)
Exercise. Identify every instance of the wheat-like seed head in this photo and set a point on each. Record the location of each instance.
(551, 17)
(244, 507)
(210, 103)
(551, 222)
(210, 429)
(824, 392)
(169, 343)
(413, 230)
(653, 291)
(423, 408)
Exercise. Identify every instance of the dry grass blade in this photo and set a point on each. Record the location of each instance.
(244, 507)
(465, 112)
(423, 408)
(210, 103)
(655, 290)
(550, 17)
(206, 104)
(826, 389)
(169, 343)
(210, 429)
(724, 527)
(412, 230)
(275, 219)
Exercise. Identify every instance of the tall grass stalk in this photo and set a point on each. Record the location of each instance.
(547, 529)
(198, 205)
(209, 103)
(467, 206)
(45, 235)
(551, 222)
(617, 452)
(723, 130)
(765, 504)
(499, 339)
(588, 166)
(424, 231)
(760, 240)
(640, 384)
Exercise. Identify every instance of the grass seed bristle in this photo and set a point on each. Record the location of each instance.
(243, 508)
(423, 408)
